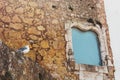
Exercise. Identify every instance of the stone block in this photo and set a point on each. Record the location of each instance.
(30, 14)
(9, 9)
(6, 19)
(28, 21)
(1, 4)
(105, 77)
(16, 19)
(82, 67)
(35, 45)
(45, 44)
(16, 26)
(102, 69)
(19, 10)
(55, 21)
(77, 67)
(14, 34)
(33, 37)
(38, 12)
(111, 71)
(52, 52)
(90, 68)
(33, 30)
(42, 52)
(33, 4)
(85, 75)
(41, 28)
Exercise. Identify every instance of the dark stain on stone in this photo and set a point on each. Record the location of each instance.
(99, 23)
(53, 6)
(7, 76)
(90, 20)
(92, 7)
(70, 8)
(40, 77)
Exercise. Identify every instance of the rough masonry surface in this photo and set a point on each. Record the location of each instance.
(41, 24)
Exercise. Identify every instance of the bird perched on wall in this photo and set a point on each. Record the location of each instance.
(24, 49)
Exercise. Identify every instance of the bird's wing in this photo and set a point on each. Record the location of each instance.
(22, 49)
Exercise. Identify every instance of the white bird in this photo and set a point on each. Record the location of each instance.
(24, 49)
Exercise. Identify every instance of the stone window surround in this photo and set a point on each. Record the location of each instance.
(84, 26)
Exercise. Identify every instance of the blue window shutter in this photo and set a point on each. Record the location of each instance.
(85, 47)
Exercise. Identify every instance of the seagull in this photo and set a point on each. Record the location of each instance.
(24, 49)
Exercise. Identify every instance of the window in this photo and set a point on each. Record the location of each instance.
(86, 44)
(85, 47)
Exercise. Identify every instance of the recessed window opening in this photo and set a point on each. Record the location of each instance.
(86, 47)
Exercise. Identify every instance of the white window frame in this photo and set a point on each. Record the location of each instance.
(84, 26)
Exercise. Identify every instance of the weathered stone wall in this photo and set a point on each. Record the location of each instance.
(15, 66)
(41, 24)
